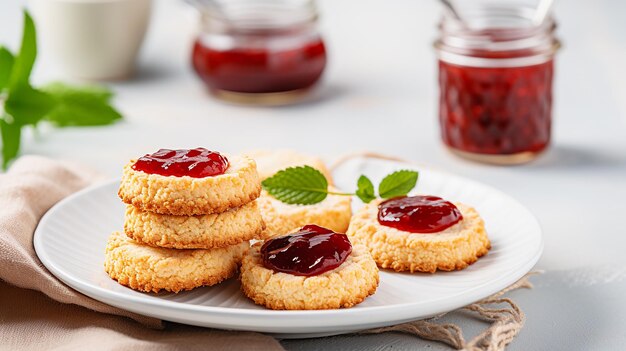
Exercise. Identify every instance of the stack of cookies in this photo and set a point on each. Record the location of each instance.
(189, 218)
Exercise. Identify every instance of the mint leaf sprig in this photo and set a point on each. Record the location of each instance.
(305, 185)
(23, 105)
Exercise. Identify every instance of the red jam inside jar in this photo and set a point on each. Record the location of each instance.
(495, 79)
(498, 111)
(311, 251)
(195, 163)
(418, 214)
(259, 69)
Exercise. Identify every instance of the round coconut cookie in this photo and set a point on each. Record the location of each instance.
(333, 213)
(188, 196)
(271, 161)
(453, 248)
(151, 269)
(344, 286)
(195, 232)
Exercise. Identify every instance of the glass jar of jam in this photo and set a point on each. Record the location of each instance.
(259, 51)
(495, 80)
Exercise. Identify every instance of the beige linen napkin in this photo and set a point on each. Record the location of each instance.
(31, 321)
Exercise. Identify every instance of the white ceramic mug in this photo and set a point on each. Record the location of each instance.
(93, 39)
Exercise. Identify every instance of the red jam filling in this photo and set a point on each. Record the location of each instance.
(196, 163)
(504, 110)
(311, 251)
(418, 214)
(260, 69)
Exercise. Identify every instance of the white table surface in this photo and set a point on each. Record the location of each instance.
(380, 94)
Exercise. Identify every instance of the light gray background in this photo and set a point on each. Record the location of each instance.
(380, 94)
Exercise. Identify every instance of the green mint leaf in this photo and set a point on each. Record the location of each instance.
(96, 92)
(302, 185)
(398, 183)
(11, 133)
(6, 65)
(28, 105)
(24, 104)
(365, 189)
(81, 106)
(25, 58)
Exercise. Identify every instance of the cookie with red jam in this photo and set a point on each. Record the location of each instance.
(420, 234)
(189, 182)
(311, 269)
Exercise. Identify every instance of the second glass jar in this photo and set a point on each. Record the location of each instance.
(495, 81)
(259, 51)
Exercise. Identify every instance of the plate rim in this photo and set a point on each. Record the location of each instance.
(99, 293)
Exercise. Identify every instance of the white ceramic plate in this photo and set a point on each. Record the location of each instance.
(71, 238)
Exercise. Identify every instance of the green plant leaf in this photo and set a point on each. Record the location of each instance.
(24, 104)
(28, 105)
(11, 134)
(62, 90)
(81, 106)
(25, 58)
(61, 104)
(365, 189)
(302, 185)
(398, 183)
(6, 65)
